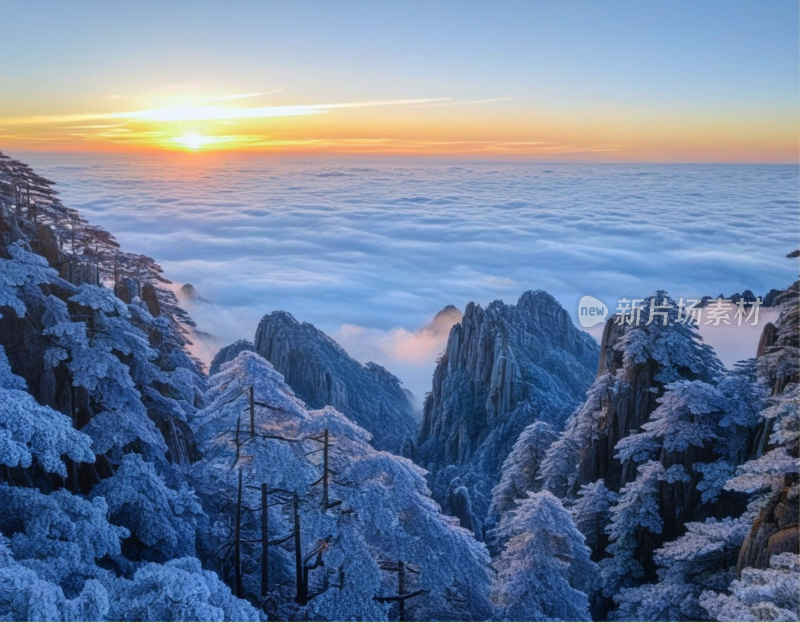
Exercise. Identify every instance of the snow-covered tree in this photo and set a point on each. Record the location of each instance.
(765, 475)
(544, 572)
(687, 416)
(23, 276)
(31, 431)
(357, 506)
(521, 467)
(162, 522)
(636, 510)
(60, 536)
(591, 512)
(179, 590)
(771, 594)
(92, 350)
(24, 596)
(671, 342)
(704, 557)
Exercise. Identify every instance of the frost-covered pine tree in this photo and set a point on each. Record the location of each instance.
(520, 469)
(636, 511)
(771, 594)
(93, 351)
(180, 590)
(704, 557)
(30, 432)
(368, 507)
(25, 596)
(22, 278)
(544, 572)
(161, 521)
(724, 420)
(591, 512)
(117, 380)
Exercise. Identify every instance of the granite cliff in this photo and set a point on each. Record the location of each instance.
(321, 373)
(504, 368)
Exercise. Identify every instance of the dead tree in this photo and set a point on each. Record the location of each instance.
(264, 541)
(327, 473)
(301, 596)
(401, 569)
(237, 548)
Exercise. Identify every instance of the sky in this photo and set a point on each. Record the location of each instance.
(622, 81)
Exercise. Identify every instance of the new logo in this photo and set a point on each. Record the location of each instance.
(591, 311)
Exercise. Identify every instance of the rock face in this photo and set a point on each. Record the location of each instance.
(505, 367)
(229, 353)
(777, 528)
(321, 373)
(774, 531)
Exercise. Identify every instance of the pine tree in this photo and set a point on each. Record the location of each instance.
(544, 572)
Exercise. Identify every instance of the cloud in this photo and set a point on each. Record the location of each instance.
(211, 113)
(400, 345)
(240, 96)
(489, 100)
(380, 246)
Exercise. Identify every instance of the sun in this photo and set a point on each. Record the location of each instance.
(193, 140)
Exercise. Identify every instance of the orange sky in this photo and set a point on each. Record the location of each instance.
(631, 81)
(427, 126)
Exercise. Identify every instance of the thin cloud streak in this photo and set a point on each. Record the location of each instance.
(212, 113)
(490, 100)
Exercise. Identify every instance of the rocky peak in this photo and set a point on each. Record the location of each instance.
(321, 373)
(504, 367)
(189, 293)
(229, 353)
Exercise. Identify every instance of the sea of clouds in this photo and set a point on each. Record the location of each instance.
(370, 251)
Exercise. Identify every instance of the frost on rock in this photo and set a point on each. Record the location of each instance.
(504, 368)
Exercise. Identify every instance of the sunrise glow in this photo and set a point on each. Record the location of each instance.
(400, 90)
(193, 140)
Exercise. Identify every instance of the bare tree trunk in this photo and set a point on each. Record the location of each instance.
(401, 588)
(264, 542)
(325, 471)
(237, 544)
(252, 413)
(298, 556)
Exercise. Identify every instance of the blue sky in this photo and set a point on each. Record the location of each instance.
(667, 80)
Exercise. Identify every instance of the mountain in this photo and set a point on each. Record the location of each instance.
(229, 353)
(321, 373)
(674, 467)
(504, 367)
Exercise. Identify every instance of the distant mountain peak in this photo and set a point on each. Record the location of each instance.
(190, 293)
(321, 373)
